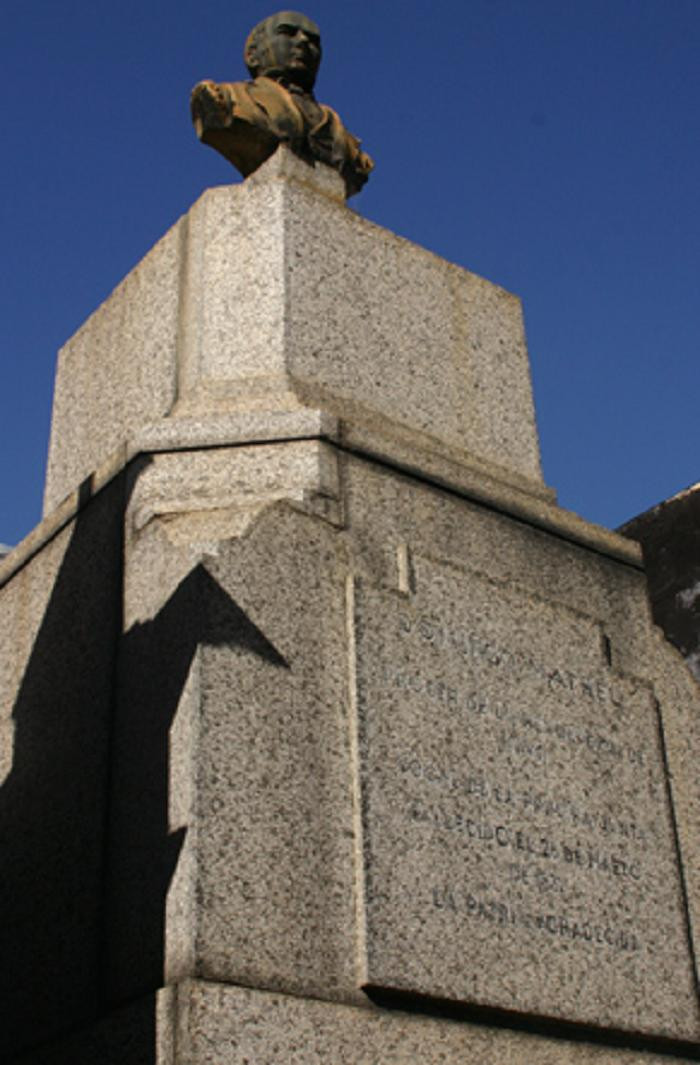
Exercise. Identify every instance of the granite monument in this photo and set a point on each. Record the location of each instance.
(326, 735)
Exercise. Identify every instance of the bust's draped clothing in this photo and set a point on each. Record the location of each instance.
(279, 114)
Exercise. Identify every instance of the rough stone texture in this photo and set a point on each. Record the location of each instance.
(273, 295)
(464, 725)
(224, 489)
(60, 621)
(201, 1023)
(678, 704)
(314, 690)
(670, 537)
(236, 1026)
(519, 848)
(267, 814)
(247, 612)
(118, 372)
(380, 327)
(251, 733)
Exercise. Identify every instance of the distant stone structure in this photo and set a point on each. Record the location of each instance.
(670, 537)
(4, 550)
(246, 121)
(326, 736)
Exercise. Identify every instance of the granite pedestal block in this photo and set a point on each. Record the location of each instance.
(274, 296)
(421, 751)
(205, 1023)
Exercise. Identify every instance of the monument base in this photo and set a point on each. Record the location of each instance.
(325, 737)
(198, 1023)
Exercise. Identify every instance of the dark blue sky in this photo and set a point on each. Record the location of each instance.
(552, 146)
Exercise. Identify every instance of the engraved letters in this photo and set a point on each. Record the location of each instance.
(512, 796)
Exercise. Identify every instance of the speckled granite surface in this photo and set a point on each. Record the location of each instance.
(313, 702)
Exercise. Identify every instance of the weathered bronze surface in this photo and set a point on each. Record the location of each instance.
(246, 120)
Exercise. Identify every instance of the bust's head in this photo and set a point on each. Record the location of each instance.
(286, 46)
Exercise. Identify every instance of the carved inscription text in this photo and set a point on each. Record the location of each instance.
(512, 794)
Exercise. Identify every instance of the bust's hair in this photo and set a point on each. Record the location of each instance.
(251, 50)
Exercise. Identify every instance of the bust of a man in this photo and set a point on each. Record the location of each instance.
(246, 121)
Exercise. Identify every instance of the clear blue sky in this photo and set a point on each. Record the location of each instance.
(552, 146)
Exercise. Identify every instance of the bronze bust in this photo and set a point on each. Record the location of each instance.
(246, 120)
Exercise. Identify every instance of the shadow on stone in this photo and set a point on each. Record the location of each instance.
(53, 803)
(154, 667)
(86, 852)
(408, 1002)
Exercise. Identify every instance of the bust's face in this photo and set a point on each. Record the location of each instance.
(292, 49)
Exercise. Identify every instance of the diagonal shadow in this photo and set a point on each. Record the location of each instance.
(155, 662)
(86, 852)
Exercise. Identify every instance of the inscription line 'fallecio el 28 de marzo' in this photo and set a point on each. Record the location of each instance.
(518, 849)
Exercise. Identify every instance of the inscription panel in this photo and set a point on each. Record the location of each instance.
(518, 847)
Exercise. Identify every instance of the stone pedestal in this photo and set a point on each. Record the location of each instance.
(271, 301)
(337, 738)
